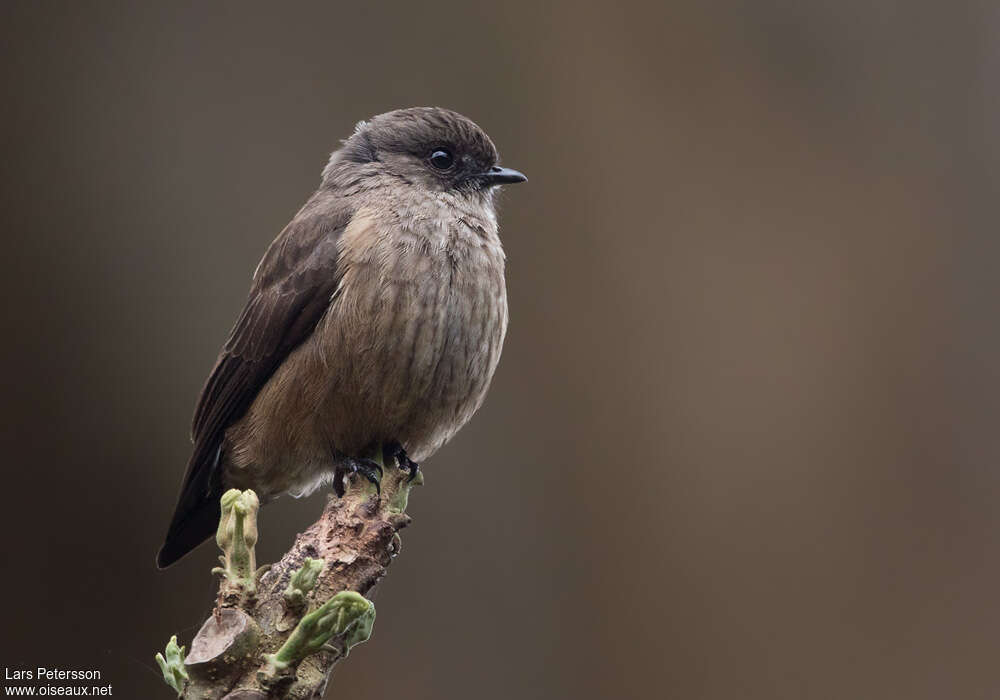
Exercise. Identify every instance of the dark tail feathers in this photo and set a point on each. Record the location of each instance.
(196, 516)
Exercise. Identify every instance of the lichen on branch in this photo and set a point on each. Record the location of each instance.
(237, 538)
(302, 582)
(172, 666)
(348, 616)
(263, 640)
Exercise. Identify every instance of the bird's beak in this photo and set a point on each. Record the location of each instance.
(501, 176)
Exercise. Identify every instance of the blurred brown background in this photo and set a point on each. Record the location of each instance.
(742, 442)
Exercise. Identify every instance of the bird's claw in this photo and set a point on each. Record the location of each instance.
(394, 450)
(368, 468)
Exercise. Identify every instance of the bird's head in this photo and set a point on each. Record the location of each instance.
(427, 147)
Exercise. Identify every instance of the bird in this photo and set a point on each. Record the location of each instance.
(372, 329)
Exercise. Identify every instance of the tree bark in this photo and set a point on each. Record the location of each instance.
(278, 634)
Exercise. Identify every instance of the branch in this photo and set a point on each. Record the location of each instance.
(277, 632)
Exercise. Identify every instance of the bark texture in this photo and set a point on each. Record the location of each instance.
(269, 639)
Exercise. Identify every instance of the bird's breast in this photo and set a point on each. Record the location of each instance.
(414, 332)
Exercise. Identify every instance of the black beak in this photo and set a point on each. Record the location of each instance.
(501, 176)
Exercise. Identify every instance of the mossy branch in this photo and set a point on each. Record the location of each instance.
(172, 666)
(302, 581)
(237, 537)
(341, 616)
(258, 643)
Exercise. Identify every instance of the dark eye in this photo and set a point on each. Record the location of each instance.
(442, 159)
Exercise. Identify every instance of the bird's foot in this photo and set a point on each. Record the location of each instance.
(394, 450)
(368, 468)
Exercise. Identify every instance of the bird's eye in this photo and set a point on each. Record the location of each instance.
(442, 159)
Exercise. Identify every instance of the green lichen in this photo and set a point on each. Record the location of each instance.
(172, 666)
(361, 630)
(347, 615)
(237, 537)
(398, 497)
(302, 581)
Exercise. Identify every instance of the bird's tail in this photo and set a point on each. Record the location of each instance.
(196, 516)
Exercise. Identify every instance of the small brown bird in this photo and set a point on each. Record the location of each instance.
(373, 327)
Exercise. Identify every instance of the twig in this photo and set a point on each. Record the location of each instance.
(262, 641)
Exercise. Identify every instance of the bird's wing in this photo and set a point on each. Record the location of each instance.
(291, 291)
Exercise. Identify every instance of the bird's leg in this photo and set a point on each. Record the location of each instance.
(367, 467)
(393, 450)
